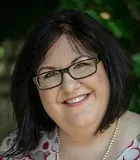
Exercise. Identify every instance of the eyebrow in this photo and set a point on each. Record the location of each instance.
(73, 61)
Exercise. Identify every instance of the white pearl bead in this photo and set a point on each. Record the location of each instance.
(108, 149)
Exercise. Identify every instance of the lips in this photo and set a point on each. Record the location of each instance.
(76, 101)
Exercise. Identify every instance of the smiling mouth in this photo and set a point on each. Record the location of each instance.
(76, 99)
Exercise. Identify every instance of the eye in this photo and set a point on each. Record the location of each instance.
(50, 74)
(80, 65)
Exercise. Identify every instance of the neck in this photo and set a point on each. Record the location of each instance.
(85, 137)
(75, 147)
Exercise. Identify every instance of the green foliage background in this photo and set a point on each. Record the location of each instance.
(17, 18)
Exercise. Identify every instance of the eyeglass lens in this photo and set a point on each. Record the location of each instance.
(78, 70)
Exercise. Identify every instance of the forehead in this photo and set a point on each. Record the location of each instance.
(62, 51)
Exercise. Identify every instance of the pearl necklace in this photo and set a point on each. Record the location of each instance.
(108, 149)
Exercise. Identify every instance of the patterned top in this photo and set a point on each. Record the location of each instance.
(47, 149)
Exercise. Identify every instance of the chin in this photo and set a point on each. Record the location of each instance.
(84, 121)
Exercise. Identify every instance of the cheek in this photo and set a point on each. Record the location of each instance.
(103, 88)
(102, 78)
(99, 84)
(50, 105)
(48, 98)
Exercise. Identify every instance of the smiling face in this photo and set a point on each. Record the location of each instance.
(75, 103)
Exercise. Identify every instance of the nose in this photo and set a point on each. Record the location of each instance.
(69, 84)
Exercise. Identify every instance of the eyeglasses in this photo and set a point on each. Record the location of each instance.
(78, 70)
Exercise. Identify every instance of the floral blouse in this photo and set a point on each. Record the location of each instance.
(47, 149)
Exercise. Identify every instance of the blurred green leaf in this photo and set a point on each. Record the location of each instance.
(1, 52)
(136, 57)
(93, 13)
(136, 60)
(66, 4)
(115, 28)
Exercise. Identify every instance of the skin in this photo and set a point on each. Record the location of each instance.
(77, 125)
(87, 114)
(72, 121)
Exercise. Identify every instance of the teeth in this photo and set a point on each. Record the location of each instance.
(77, 99)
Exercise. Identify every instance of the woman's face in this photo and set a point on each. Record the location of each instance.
(68, 104)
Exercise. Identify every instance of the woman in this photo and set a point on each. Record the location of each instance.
(71, 89)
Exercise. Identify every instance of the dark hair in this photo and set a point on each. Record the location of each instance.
(81, 30)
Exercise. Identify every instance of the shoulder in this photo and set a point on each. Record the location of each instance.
(47, 139)
(128, 132)
(8, 142)
(132, 151)
(129, 129)
(46, 148)
(131, 122)
(130, 126)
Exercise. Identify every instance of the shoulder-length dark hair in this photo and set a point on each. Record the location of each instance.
(81, 30)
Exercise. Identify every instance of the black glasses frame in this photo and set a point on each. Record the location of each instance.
(66, 70)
